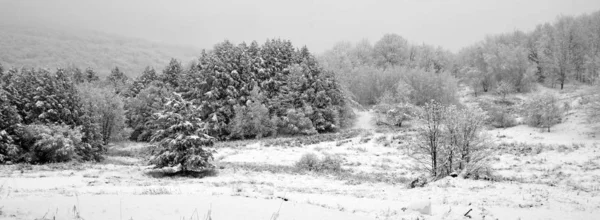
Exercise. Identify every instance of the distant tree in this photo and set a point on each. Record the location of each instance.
(116, 76)
(422, 87)
(105, 108)
(391, 50)
(362, 53)
(77, 75)
(504, 89)
(90, 75)
(172, 73)
(140, 109)
(143, 81)
(118, 81)
(534, 54)
(561, 48)
(9, 120)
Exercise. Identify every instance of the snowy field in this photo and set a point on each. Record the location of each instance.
(537, 175)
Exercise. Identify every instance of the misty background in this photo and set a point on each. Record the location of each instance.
(451, 24)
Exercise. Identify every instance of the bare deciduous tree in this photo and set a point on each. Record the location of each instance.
(428, 149)
(450, 139)
(464, 138)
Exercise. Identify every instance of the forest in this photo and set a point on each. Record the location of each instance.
(231, 92)
(274, 89)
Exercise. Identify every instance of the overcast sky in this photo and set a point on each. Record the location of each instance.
(318, 24)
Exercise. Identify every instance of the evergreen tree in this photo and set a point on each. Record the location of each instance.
(141, 82)
(172, 73)
(181, 139)
(90, 75)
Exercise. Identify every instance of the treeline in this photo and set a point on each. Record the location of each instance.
(230, 92)
(369, 71)
(553, 53)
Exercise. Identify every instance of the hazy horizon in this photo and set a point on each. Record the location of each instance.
(316, 24)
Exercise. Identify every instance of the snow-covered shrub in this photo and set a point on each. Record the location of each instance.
(501, 118)
(50, 143)
(311, 162)
(252, 121)
(296, 121)
(331, 163)
(543, 111)
(395, 114)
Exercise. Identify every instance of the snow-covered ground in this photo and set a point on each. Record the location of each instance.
(544, 175)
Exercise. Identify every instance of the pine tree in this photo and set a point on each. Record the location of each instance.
(181, 139)
(172, 73)
(90, 75)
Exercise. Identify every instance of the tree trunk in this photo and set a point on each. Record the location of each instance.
(450, 163)
(434, 160)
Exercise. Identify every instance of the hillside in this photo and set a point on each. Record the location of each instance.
(53, 48)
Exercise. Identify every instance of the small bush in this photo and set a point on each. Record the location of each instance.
(252, 121)
(8, 150)
(542, 111)
(504, 88)
(311, 162)
(395, 114)
(331, 163)
(308, 161)
(52, 143)
(296, 122)
(479, 171)
(501, 118)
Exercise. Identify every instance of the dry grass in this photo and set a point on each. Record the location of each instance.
(157, 191)
(347, 175)
(162, 173)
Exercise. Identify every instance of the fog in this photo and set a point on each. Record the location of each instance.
(318, 24)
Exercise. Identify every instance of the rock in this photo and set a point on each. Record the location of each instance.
(418, 182)
(423, 207)
(453, 174)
